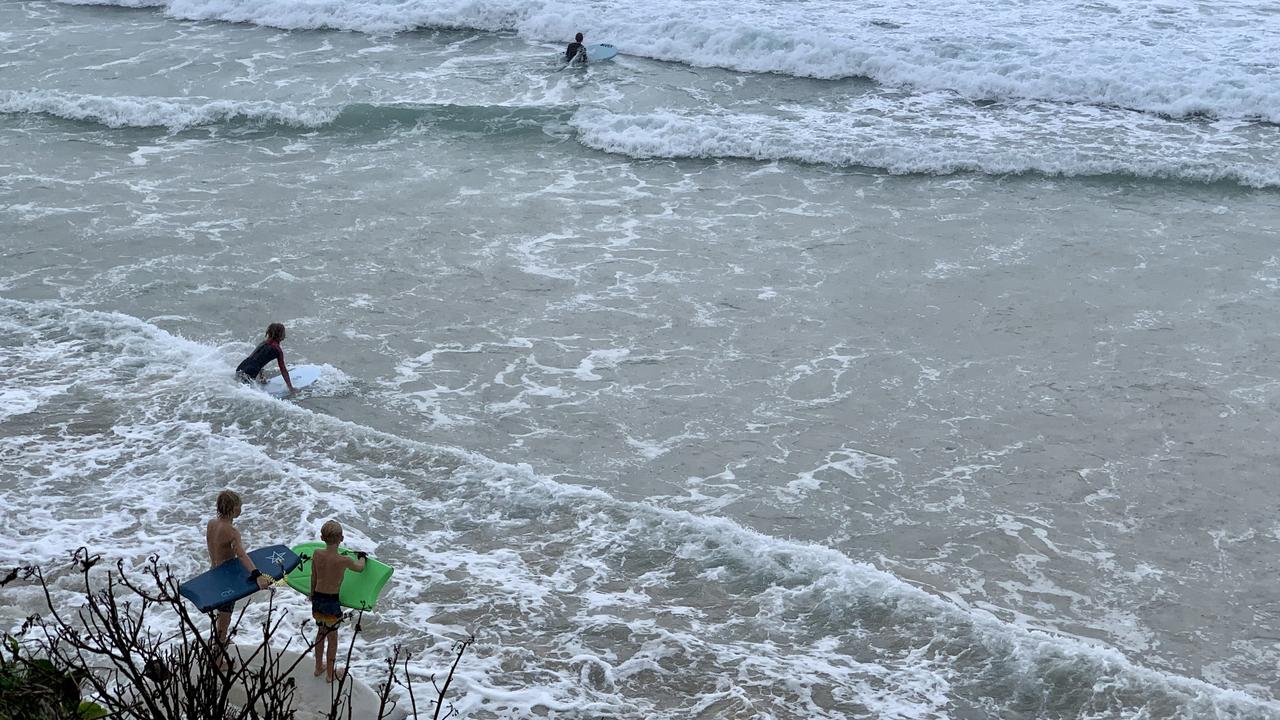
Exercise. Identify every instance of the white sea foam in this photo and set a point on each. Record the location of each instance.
(940, 137)
(591, 604)
(182, 113)
(818, 575)
(1172, 58)
(117, 3)
(17, 401)
(599, 359)
(172, 113)
(371, 17)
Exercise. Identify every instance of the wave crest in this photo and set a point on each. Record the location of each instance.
(172, 113)
(178, 114)
(1011, 142)
(1160, 60)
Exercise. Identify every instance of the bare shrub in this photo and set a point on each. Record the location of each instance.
(108, 649)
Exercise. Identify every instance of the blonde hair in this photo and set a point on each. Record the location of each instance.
(228, 502)
(331, 531)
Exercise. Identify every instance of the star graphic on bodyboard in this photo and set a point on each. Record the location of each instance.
(277, 557)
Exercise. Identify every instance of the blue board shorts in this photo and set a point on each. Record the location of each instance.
(326, 610)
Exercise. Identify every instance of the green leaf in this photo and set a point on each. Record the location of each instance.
(92, 711)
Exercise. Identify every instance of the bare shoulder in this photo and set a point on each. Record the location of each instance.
(322, 559)
(221, 532)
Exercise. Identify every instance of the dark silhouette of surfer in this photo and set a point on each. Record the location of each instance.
(576, 52)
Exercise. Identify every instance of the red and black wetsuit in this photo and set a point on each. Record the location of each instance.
(266, 351)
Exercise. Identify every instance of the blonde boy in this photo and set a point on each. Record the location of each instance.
(224, 542)
(327, 569)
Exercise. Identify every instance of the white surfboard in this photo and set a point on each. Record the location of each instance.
(601, 52)
(301, 375)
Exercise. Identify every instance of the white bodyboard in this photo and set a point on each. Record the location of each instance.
(301, 375)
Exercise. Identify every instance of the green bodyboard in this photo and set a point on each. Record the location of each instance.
(359, 590)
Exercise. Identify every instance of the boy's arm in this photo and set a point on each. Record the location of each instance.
(237, 544)
(356, 565)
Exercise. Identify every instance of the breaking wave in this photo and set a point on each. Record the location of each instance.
(1159, 58)
(178, 114)
(912, 139)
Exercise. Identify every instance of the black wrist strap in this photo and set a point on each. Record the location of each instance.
(255, 574)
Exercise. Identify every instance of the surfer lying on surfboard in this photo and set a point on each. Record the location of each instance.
(250, 369)
(328, 566)
(224, 542)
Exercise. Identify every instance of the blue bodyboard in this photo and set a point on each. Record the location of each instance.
(230, 581)
(601, 52)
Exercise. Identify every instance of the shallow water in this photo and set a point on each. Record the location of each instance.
(698, 392)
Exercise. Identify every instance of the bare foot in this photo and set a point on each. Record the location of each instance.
(337, 674)
(319, 671)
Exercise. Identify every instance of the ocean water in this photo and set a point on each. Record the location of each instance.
(812, 359)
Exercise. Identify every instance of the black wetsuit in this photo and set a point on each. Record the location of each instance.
(267, 351)
(575, 51)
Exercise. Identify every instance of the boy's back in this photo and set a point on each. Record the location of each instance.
(222, 539)
(327, 569)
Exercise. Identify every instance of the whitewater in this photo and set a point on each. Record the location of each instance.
(809, 360)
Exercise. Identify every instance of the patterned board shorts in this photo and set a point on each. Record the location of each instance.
(325, 610)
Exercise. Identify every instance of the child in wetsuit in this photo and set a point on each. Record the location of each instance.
(327, 568)
(250, 369)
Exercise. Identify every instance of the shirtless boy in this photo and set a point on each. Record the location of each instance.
(224, 543)
(327, 569)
